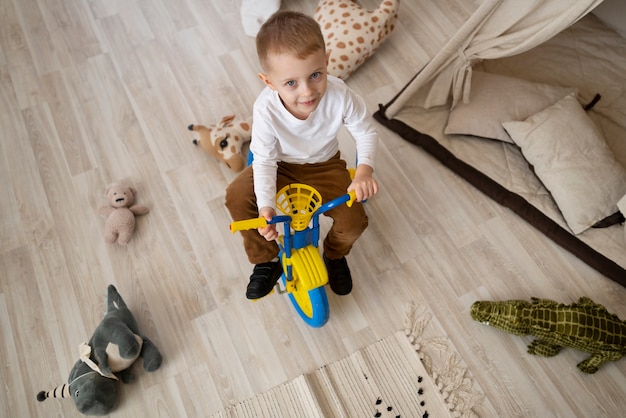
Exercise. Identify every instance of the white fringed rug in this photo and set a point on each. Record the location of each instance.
(394, 377)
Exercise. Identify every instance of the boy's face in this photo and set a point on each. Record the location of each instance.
(300, 83)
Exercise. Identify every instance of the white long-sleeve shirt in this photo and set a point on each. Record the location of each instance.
(277, 135)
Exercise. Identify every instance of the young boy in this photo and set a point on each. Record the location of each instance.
(296, 119)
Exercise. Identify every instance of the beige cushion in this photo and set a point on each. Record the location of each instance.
(572, 160)
(495, 99)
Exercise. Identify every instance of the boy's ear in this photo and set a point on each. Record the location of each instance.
(265, 79)
(327, 57)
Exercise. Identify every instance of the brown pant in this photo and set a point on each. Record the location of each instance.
(330, 178)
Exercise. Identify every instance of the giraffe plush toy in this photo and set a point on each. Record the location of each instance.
(224, 140)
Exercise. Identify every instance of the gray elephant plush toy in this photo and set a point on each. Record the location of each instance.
(112, 349)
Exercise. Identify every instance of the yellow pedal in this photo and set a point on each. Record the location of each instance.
(263, 297)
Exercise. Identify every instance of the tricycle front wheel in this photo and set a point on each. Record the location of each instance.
(311, 305)
(306, 291)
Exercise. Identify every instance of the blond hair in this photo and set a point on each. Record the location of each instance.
(288, 32)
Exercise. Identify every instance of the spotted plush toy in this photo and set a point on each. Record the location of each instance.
(224, 140)
(352, 33)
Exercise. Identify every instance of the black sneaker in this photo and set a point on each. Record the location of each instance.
(339, 276)
(263, 278)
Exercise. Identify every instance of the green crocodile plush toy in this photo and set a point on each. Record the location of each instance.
(585, 326)
(115, 345)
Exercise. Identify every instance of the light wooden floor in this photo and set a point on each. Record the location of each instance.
(93, 91)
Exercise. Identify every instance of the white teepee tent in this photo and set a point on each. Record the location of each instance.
(497, 29)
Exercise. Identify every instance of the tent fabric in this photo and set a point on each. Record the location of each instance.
(497, 29)
(587, 56)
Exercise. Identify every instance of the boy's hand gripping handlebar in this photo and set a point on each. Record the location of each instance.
(255, 223)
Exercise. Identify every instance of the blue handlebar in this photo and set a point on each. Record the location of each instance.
(347, 198)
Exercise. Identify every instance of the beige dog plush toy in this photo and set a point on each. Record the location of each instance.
(120, 213)
(225, 139)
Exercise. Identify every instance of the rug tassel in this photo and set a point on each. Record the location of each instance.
(449, 375)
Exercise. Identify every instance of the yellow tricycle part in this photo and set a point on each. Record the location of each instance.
(308, 270)
(309, 273)
(299, 201)
(352, 199)
(247, 224)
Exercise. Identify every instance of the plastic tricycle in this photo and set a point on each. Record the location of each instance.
(304, 272)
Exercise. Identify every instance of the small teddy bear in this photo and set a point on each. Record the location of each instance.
(225, 140)
(120, 213)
